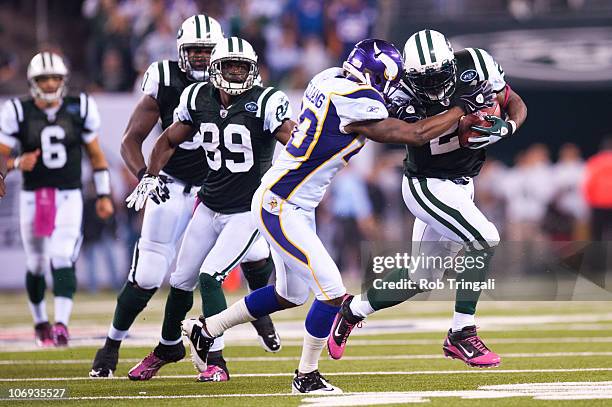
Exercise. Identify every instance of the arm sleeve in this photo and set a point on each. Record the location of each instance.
(9, 123)
(150, 81)
(91, 115)
(488, 69)
(358, 106)
(277, 110)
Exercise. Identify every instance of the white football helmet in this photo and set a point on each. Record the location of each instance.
(42, 64)
(197, 31)
(233, 49)
(429, 62)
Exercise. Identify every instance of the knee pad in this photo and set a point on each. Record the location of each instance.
(64, 282)
(150, 263)
(38, 264)
(295, 295)
(259, 251)
(490, 235)
(61, 262)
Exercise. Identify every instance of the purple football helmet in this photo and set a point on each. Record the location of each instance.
(377, 63)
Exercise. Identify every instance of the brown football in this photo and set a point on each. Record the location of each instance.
(475, 119)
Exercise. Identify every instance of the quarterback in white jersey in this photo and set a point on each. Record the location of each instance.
(341, 108)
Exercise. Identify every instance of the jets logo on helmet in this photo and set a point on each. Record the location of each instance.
(429, 62)
(197, 31)
(47, 64)
(377, 63)
(233, 66)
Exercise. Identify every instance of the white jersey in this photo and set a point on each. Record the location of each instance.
(319, 146)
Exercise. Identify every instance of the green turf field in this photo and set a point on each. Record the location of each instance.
(552, 354)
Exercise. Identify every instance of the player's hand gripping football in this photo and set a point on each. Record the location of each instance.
(149, 186)
(490, 135)
(476, 98)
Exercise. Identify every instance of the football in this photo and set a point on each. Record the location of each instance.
(475, 119)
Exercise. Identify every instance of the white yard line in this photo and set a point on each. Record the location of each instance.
(369, 373)
(354, 341)
(293, 358)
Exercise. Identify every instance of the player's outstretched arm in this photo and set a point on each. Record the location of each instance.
(396, 131)
(142, 121)
(283, 132)
(166, 144)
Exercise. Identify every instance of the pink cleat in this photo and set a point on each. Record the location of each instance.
(43, 335)
(161, 356)
(60, 335)
(213, 373)
(467, 346)
(344, 323)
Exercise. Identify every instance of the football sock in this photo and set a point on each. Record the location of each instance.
(39, 312)
(360, 307)
(63, 308)
(64, 282)
(236, 314)
(462, 320)
(218, 345)
(318, 323)
(257, 277)
(385, 298)
(311, 352)
(466, 298)
(213, 299)
(262, 302)
(178, 304)
(130, 302)
(35, 286)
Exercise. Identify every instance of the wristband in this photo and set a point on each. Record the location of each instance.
(141, 173)
(102, 182)
(16, 162)
(513, 125)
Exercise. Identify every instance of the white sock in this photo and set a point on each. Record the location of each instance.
(63, 309)
(165, 341)
(115, 334)
(39, 312)
(236, 314)
(361, 307)
(462, 320)
(311, 352)
(218, 345)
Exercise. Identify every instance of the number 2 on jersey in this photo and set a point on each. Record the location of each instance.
(211, 141)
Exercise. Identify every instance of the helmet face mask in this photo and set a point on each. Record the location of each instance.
(434, 85)
(47, 76)
(195, 40)
(233, 66)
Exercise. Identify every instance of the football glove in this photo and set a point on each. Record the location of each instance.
(489, 135)
(150, 186)
(476, 98)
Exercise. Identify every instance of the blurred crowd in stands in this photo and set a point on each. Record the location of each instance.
(127, 35)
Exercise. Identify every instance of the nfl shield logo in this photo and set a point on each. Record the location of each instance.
(223, 113)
